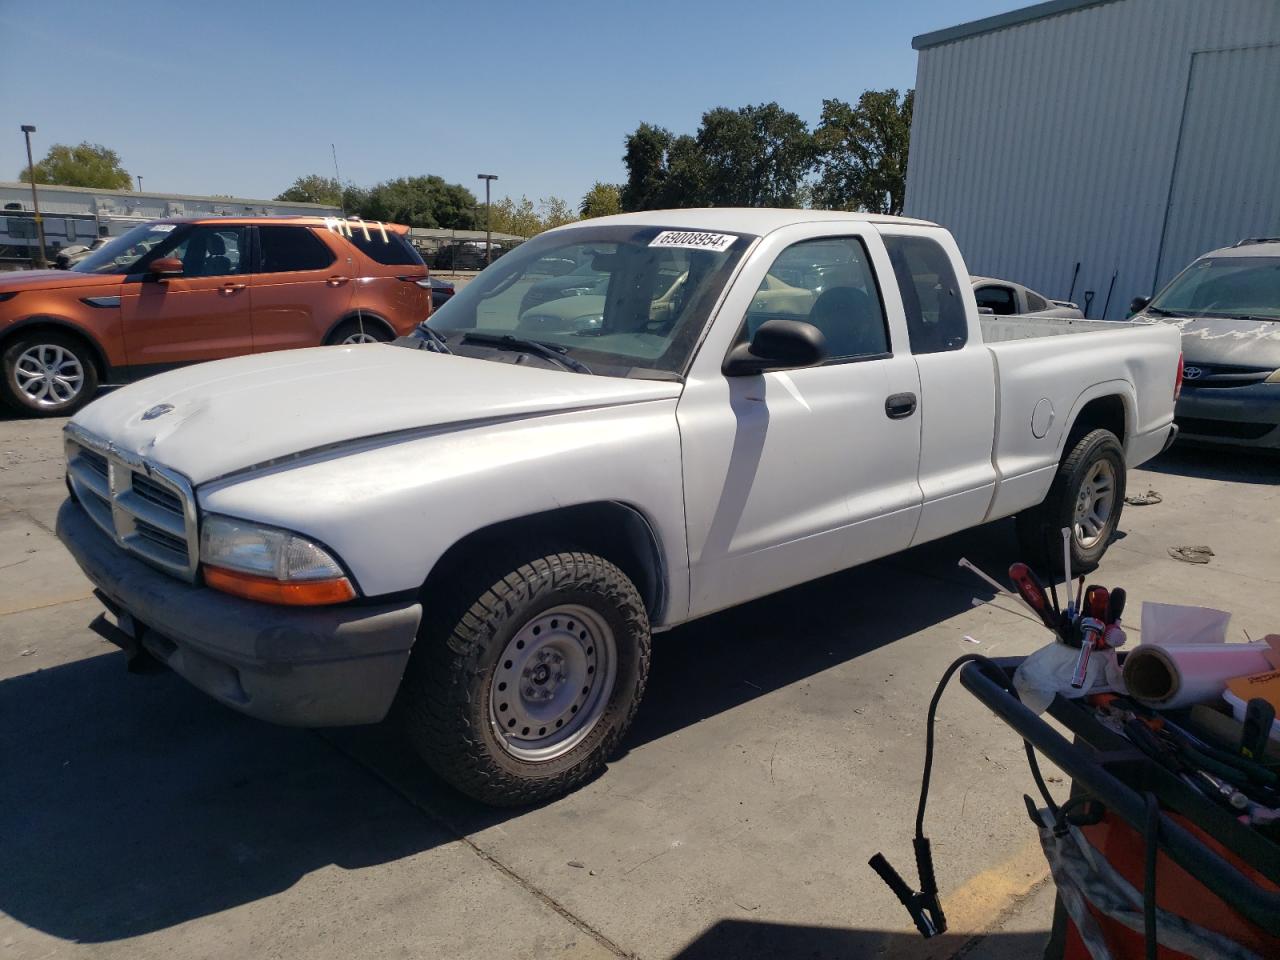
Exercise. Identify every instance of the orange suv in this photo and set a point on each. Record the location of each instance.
(172, 292)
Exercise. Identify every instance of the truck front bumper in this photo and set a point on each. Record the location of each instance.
(299, 666)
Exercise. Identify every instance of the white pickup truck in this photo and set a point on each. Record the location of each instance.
(483, 523)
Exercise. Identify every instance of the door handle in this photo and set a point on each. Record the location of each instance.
(337, 281)
(232, 287)
(900, 406)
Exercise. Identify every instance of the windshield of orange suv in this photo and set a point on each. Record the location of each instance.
(126, 252)
(614, 300)
(1245, 288)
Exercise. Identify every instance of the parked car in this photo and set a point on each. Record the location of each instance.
(68, 257)
(1005, 298)
(180, 291)
(1227, 306)
(485, 528)
(441, 291)
(579, 279)
(468, 255)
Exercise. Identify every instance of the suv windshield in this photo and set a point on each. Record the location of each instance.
(1244, 287)
(621, 300)
(126, 251)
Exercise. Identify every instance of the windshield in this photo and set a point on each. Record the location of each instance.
(1245, 287)
(621, 300)
(126, 251)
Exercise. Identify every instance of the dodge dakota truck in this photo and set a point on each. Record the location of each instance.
(481, 524)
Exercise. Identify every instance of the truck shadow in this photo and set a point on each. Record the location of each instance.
(132, 804)
(1209, 463)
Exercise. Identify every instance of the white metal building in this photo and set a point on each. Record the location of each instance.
(1125, 136)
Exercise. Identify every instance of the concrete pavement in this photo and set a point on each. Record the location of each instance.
(778, 747)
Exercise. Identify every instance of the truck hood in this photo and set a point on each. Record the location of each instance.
(1209, 341)
(21, 280)
(221, 417)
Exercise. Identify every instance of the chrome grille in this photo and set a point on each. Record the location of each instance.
(147, 509)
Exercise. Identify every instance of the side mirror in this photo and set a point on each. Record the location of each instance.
(165, 267)
(778, 343)
(1138, 304)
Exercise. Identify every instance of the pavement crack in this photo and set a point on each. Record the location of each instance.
(489, 859)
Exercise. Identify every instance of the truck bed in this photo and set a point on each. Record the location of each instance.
(1004, 329)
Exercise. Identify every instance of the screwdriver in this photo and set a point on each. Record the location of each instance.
(1032, 591)
(1093, 627)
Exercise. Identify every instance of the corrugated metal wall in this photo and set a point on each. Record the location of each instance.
(1059, 141)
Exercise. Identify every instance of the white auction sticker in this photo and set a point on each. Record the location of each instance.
(693, 240)
(162, 227)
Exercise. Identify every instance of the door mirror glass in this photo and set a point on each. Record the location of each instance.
(166, 267)
(778, 343)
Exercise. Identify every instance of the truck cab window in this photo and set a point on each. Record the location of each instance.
(829, 283)
(936, 320)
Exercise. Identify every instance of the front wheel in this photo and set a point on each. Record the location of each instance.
(48, 374)
(525, 695)
(1087, 496)
(359, 331)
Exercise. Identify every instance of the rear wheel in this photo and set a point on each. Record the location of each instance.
(357, 330)
(524, 696)
(48, 374)
(1087, 496)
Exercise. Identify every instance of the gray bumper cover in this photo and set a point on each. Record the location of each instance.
(301, 666)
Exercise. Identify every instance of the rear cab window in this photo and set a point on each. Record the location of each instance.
(998, 299)
(931, 294)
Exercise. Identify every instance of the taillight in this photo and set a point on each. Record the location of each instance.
(423, 282)
(1177, 383)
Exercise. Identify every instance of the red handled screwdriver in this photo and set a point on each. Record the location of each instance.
(1093, 627)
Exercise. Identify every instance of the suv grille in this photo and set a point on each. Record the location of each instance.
(148, 510)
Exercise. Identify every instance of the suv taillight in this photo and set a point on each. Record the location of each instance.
(420, 281)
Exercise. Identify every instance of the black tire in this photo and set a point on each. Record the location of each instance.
(445, 699)
(1040, 528)
(369, 327)
(11, 389)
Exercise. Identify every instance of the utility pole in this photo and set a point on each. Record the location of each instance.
(139, 183)
(488, 178)
(41, 262)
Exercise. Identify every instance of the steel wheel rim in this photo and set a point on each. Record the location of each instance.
(1094, 503)
(552, 683)
(48, 375)
(361, 337)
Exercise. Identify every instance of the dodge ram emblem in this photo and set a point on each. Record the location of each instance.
(1192, 373)
(159, 410)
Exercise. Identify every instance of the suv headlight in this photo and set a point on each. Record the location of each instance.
(265, 563)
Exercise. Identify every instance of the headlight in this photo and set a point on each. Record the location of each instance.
(269, 564)
(1274, 378)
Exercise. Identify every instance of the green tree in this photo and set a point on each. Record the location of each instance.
(418, 202)
(314, 188)
(85, 165)
(515, 217)
(645, 157)
(602, 200)
(555, 212)
(755, 156)
(862, 152)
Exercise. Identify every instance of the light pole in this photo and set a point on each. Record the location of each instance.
(488, 178)
(139, 183)
(41, 262)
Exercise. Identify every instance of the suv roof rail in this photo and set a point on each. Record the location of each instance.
(1251, 240)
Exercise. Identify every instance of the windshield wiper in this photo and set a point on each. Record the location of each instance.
(1166, 313)
(434, 338)
(506, 341)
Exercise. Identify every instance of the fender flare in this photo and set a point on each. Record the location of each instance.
(1107, 388)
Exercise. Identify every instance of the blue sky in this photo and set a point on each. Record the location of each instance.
(241, 98)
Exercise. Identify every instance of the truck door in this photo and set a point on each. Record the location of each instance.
(957, 379)
(793, 474)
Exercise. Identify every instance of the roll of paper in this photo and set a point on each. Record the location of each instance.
(1178, 675)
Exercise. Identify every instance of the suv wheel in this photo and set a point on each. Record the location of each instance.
(48, 374)
(524, 696)
(357, 331)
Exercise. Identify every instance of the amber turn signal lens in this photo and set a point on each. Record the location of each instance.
(300, 593)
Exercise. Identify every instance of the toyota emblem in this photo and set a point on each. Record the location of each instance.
(1192, 373)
